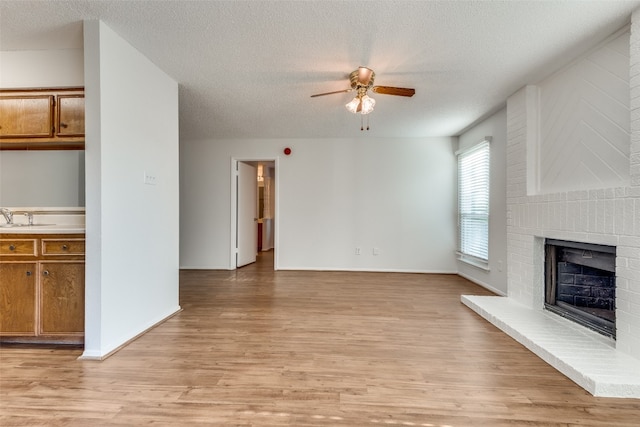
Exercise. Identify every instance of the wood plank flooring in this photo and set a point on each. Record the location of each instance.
(255, 347)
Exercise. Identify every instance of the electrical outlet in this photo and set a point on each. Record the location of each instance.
(357, 250)
(376, 251)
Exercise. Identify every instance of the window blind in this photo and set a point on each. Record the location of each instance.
(473, 201)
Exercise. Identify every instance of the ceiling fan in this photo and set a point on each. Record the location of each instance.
(362, 81)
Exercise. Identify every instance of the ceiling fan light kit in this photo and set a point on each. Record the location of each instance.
(362, 104)
(361, 81)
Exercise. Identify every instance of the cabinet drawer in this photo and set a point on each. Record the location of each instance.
(62, 247)
(18, 247)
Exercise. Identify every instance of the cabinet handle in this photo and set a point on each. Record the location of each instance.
(12, 248)
(46, 272)
(28, 273)
(65, 247)
(64, 125)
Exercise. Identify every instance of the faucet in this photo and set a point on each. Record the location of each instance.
(29, 216)
(8, 215)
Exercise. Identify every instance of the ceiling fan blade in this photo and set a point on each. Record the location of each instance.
(390, 90)
(331, 93)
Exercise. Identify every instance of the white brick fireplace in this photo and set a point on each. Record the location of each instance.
(598, 203)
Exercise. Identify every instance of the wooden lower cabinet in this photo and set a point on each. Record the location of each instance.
(42, 291)
(62, 298)
(18, 298)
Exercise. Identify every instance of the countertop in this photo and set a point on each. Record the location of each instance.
(47, 220)
(44, 229)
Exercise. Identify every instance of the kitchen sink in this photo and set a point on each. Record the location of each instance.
(22, 225)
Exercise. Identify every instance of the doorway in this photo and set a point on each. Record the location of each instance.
(254, 205)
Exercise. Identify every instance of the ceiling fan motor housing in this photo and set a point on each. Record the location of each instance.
(362, 77)
(362, 80)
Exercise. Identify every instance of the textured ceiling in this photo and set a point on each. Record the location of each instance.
(246, 69)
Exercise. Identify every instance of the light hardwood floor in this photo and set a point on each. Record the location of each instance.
(255, 347)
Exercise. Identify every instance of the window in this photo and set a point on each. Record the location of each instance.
(473, 204)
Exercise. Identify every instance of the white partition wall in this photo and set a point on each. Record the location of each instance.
(132, 192)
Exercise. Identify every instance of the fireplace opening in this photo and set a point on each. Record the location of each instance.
(580, 283)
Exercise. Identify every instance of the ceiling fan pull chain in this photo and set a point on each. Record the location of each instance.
(367, 122)
(361, 123)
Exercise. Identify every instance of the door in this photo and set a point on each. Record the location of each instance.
(247, 226)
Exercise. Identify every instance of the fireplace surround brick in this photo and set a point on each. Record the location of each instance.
(606, 216)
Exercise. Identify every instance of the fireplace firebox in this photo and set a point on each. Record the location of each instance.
(580, 283)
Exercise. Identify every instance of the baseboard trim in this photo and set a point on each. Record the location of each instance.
(205, 267)
(484, 285)
(368, 270)
(100, 357)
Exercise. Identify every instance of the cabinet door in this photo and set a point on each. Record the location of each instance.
(61, 298)
(18, 298)
(26, 116)
(70, 115)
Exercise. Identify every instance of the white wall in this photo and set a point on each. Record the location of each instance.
(41, 178)
(398, 195)
(132, 228)
(41, 68)
(495, 278)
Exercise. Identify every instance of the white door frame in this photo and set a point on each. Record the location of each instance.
(234, 199)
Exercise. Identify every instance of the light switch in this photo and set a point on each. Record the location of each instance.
(149, 179)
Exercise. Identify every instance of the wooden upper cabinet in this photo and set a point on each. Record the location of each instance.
(70, 115)
(42, 119)
(26, 116)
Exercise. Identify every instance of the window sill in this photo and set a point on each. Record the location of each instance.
(473, 261)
